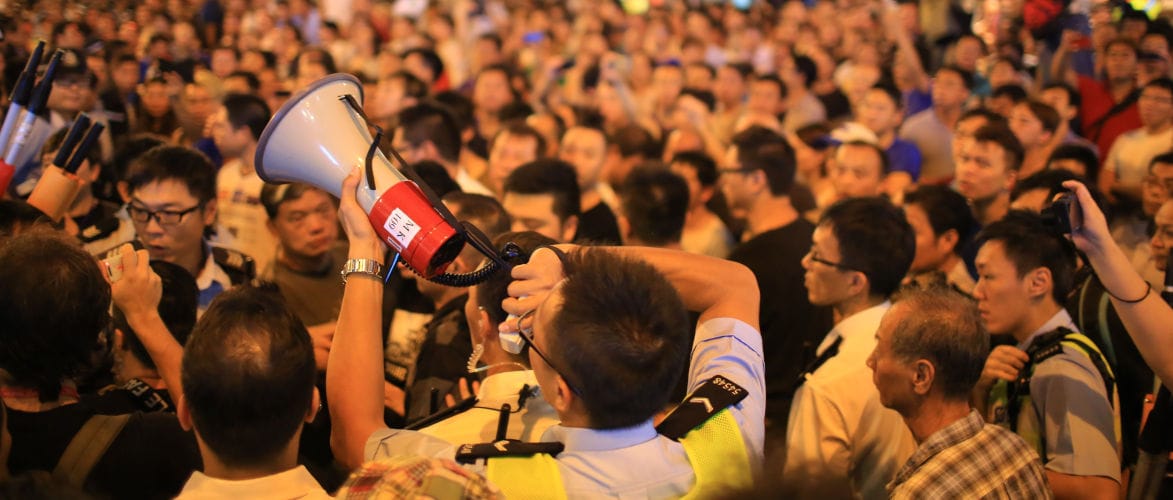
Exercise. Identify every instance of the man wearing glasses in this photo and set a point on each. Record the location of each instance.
(607, 336)
(841, 441)
(172, 202)
(756, 179)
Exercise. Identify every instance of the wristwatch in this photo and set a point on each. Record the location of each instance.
(369, 267)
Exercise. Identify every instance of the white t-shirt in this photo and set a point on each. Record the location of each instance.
(241, 214)
(1132, 152)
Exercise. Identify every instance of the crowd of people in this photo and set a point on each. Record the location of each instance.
(799, 248)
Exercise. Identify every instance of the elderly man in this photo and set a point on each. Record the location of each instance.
(930, 349)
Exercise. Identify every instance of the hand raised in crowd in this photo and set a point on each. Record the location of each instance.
(532, 283)
(1089, 227)
(1005, 363)
(138, 290)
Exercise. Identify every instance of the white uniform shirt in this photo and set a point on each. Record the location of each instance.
(839, 437)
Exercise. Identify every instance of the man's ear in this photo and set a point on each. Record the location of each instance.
(315, 406)
(210, 212)
(705, 194)
(624, 228)
(183, 413)
(119, 341)
(947, 240)
(859, 284)
(1039, 282)
(123, 191)
(1011, 180)
(484, 331)
(564, 398)
(924, 373)
(569, 229)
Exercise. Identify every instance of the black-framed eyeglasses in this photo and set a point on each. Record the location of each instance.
(163, 217)
(735, 170)
(527, 336)
(837, 265)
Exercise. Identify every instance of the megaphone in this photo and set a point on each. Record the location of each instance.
(319, 135)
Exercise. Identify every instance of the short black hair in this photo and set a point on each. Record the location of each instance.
(1082, 154)
(548, 176)
(492, 291)
(782, 90)
(432, 122)
(1073, 97)
(1012, 91)
(655, 201)
(181, 164)
(54, 303)
(254, 83)
(706, 168)
(892, 92)
(885, 162)
(130, 149)
(762, 149)
(990, 116)
(946, 209)
(430, 58)
(806, 67)
(1030, 243)
(484, 212)
(248, 376)
(274, 195)
(1049, 180)
(459, 105)
(518, 128)
(621, 335)
(412, 85)
(177, 308)
(436, 177)
(1161, 83)
(247, 110)
(742, 68)
(704, 96)
(874, 238)
(1044, 113)
(16, 216)
(634, 140)
(1001, 135)
(966, 75)
(943, 326)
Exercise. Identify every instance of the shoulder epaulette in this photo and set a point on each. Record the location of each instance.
(240, 267)
(714, 395)
(470, 453)
(1047, 345)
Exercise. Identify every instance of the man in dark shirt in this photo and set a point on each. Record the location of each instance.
(586, 149)
(446, 346)
(756, 179)
(44, 342)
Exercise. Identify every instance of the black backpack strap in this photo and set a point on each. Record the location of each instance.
(87, 447)
(239, 267)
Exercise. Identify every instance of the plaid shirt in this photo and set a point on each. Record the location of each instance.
(972, 459)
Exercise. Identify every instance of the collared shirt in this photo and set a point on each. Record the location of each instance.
(527, 422)
(839, 434)
(293, 483)
(1079, 421)
(211, 281)
(972, 459)
(638, 462)
(469, 184)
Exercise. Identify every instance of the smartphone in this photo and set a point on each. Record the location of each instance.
(113, 261)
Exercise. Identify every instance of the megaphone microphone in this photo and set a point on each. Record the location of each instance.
(321, 133)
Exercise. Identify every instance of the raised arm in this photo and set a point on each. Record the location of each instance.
(1148, 320)
(1060, 69)
(137, 294)
(354, 375)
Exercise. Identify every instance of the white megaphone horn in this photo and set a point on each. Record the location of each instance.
(318, 137)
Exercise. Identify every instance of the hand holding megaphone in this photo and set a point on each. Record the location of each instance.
(321, 135)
